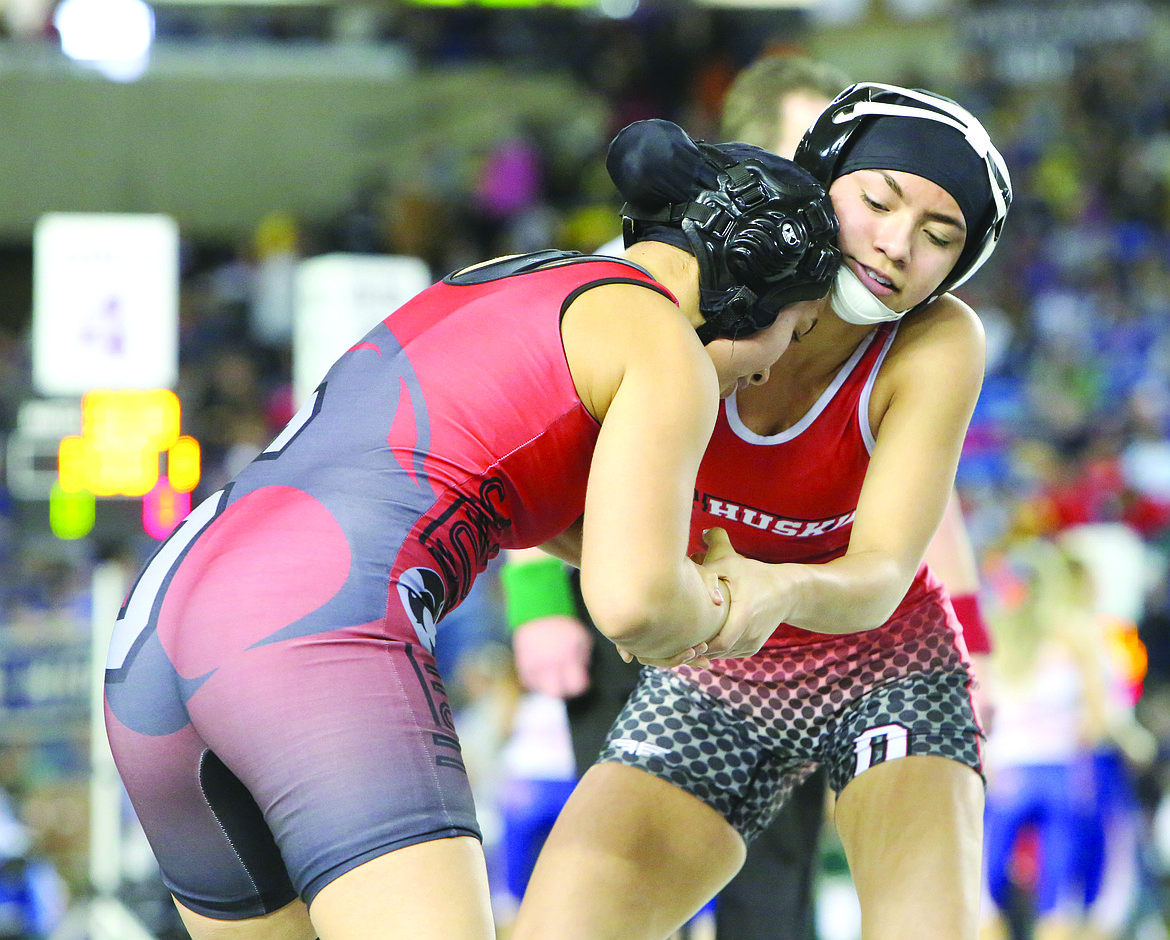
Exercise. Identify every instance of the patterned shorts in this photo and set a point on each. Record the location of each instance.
(740, 738)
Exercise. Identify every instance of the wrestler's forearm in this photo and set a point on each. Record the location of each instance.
(847, 595)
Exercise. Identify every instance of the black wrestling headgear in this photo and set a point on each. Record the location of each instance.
(948, 146)
(762, 229)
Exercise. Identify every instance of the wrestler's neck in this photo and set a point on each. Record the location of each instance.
(674, 269)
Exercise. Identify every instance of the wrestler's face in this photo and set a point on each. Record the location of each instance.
(747, 361)
(901, 234)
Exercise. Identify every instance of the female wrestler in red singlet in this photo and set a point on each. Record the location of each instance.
(831, 478)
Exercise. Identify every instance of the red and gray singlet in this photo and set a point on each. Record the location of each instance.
(271, 695)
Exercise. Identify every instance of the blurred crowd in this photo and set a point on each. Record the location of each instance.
(1071, 437)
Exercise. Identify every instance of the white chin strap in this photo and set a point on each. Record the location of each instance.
(853, 302)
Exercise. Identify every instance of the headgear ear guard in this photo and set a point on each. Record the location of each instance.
(826, 144)
(765, 236)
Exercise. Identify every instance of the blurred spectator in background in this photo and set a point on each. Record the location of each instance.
(32, 894)
(1062, 734)
(1120, 572)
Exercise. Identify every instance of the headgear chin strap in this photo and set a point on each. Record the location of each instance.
(853, 302)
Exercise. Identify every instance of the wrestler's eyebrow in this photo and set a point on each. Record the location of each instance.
(935, 216)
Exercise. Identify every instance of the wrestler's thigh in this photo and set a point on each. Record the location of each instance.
(631, 857)
(291, 922)
(435, 890)
(912, 830)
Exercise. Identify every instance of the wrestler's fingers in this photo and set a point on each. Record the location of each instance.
(718, 544)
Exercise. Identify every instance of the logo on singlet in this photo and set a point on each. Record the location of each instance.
(765, 522)
(639, 748)
(878, 745)
(466, 536)
(424, 598)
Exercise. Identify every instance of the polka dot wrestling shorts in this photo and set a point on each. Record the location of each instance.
(743, 734)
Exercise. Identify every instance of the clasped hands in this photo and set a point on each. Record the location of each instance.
(730, 578)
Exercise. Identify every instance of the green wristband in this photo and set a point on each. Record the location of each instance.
(534, 589)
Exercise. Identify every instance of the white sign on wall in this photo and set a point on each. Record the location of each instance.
(339, 299)
(105, 302)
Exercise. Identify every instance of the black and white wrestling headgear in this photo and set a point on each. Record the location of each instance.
(762, 229)
(874, 126)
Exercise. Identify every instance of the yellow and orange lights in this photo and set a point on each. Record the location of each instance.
(125, 434)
